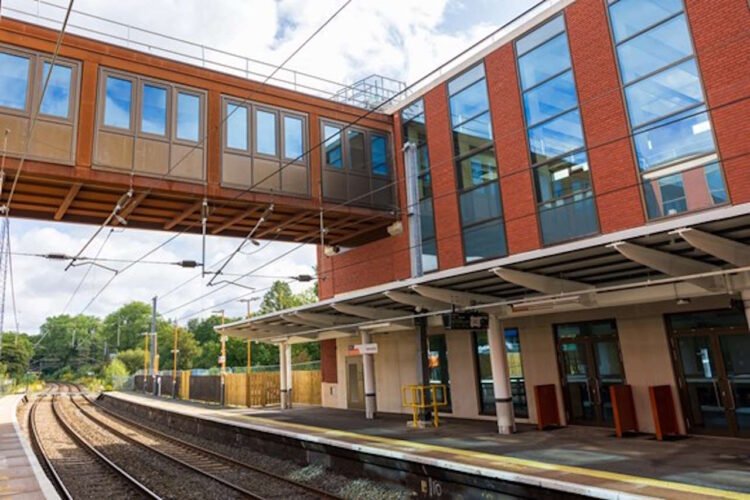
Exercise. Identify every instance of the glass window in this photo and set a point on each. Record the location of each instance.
(544, 62)
(692, 189)
(357, 157)
(484, 241)
(378, 154)
(265, 132)
(438, 365)
(424, 186)
(675, 138)
(556, 137)
(469, 102)
(515, 371)
(467, 78)
(633, 16)
(415, 132)
(117, 102)
(665, 93)
(429, 255)
(188, 116)
(540, 35)
(293, 138)
(550, 98)
(562, 219)
(473, 135)
(412, 111)
(14, 80)
(480, 204)
(154, 110)
(563, 177)
(237, 127)
(427, 219)
(333, 149)
(715, 183)
(477, 169)
(56, 100)
(655, 49)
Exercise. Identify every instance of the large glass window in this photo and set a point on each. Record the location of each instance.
(476, 167)
(438, 365)
(293, 138)
(414, 131)
(237, 125)
(56, 100)
(265, 132)
(357, 156)
(188, 116)
(672, 133)
(14, 81)
(379, 154)
(117, 102)
(515, 371)
(154, 110)
(556, 141)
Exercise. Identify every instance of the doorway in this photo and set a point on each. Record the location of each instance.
(590, 362)
(355, 383)
(711, 355)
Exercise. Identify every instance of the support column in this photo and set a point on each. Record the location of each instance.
(283, 375)
(423, 369)
(368, 364)
(745, 295)
(500, 377)
(289, 377)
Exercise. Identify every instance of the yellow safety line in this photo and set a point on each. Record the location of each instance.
(504, 460)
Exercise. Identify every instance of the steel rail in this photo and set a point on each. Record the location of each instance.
(220, 456)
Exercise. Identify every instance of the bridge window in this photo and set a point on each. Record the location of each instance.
(293, 138)
(118, 101)
(154, 110)
(236, 135)
(188, 116)
(56, 100)
(14, 81)
(379, 154)
(277, 160)
(357, 157)
(333, 150)
(265, 132)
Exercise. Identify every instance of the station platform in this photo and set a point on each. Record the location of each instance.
(575, 460)
(21, 476)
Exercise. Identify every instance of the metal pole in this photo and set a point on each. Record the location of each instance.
(283, 375)
(175, 335)
(223, 360)
(423, 368)
(368, 364)
(153, 343)
(145, 360)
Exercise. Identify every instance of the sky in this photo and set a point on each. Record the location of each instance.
(400, 39)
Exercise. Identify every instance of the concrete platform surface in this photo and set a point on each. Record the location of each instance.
(21, 476)
(575, 459)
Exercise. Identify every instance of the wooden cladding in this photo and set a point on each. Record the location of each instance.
(22, 78)
(150, 127)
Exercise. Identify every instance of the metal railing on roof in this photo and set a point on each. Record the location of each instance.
(367, 93)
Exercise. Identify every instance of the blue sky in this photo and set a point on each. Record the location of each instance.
(402, 39)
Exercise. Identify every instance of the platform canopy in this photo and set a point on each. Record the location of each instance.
(692, 256)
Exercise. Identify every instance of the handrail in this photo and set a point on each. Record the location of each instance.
(359, 94)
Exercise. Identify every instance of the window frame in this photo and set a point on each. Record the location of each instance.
(226, 148)
(32, 58)
(106, 73)
(644, 127)
(262, 108)
(302, 160)
(73, 92)
(176, 91)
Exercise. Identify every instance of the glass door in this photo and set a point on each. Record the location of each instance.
(355, 383)
(711, 352)
(589, 356)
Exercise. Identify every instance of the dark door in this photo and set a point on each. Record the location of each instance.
(711, 354)
(589, 358)
(355, 383)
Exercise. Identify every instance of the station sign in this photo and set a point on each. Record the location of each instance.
(466, 321)
(360, 349)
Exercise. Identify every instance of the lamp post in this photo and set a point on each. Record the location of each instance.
(175, 336)
(223, 356)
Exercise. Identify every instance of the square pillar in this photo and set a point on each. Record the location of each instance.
(745, 296)
(368, 365)
(289, 377)
(500, 376)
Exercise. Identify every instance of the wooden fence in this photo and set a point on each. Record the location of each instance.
(256, 389)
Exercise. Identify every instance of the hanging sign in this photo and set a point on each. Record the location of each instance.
(465, 321)
(360, 349)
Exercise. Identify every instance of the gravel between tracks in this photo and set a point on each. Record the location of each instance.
(315, 475)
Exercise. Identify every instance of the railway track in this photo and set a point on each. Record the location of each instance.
(94, 453)
(75, 467)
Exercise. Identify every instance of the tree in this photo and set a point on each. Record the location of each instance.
(132, 359)
(69, 341)
(16, 354)
(114, 370)
(188, 347)
(127, 324)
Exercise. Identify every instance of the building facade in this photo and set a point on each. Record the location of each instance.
(583, 182)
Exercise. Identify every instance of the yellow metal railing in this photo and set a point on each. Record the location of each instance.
(422, 397)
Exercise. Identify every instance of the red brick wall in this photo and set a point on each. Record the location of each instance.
(613, 170)
(516, 184)
(328, 372)
(721, 33)
(445, 199)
